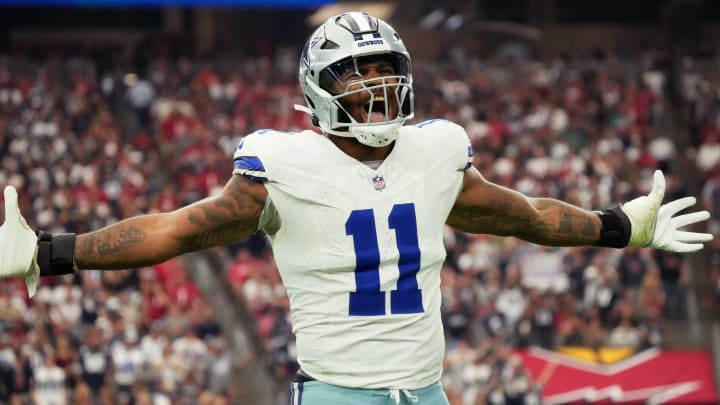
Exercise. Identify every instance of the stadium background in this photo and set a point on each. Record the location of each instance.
(110, 108)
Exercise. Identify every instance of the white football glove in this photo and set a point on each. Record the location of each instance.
(18, 244)
(656, 225)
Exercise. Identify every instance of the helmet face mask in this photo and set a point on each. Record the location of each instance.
(356, 77)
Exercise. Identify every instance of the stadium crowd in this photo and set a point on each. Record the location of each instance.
(700, 84)
(86, 147)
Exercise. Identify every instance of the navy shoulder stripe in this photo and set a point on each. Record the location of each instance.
(251, 163)
(470, 158)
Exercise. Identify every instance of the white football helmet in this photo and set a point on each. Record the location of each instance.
(338, 47)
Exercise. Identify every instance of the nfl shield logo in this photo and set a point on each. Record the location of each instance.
(378, 183)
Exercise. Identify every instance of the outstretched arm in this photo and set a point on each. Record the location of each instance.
(148, 239)
(484, 207)
(231, 216)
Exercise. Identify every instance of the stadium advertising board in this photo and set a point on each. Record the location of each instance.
(652, 376)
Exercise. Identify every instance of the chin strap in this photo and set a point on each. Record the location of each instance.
(308, 111)
(303, 108)
(316, 121)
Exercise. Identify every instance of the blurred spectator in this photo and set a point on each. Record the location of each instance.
(651, 296)
(95, 362)
(219, 372)
(624, 334)
(191, 352)
(49, 383)
(7, 381)
(632, 268)
(128, 361)
(674, 277)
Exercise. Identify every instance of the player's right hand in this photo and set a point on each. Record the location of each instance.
(18, 244)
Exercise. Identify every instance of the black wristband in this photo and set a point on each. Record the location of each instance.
(616, 228)
(56, 253)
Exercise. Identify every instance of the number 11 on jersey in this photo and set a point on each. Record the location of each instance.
(368, 299)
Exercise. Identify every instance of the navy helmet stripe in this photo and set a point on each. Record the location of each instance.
(371, 22)
(352, 24)
(358, 23)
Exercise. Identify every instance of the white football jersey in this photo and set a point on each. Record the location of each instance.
(360, 249)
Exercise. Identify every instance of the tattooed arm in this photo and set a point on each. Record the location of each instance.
(149, 239)
(484, 207)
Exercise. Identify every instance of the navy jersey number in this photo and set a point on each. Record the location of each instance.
(368, 300)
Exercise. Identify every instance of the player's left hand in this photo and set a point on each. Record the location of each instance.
(18, 244)
(656, 225)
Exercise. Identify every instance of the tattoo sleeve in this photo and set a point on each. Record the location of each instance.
(544, 221)
(113, 239)
(229, 218)
(149, 239)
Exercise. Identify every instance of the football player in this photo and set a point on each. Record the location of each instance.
(355, 215)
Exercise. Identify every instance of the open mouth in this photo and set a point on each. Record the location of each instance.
(376, 109)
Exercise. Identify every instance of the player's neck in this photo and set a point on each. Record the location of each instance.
(358, 151)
